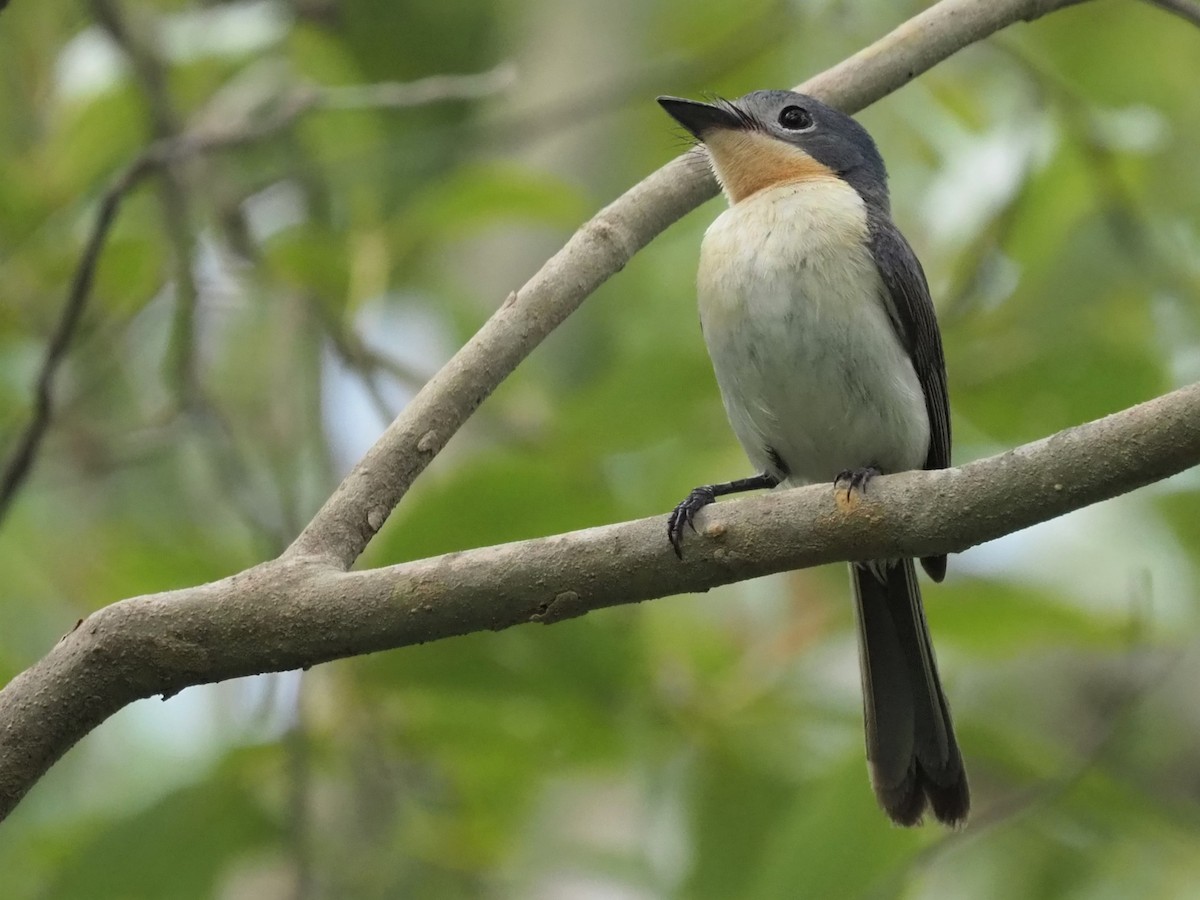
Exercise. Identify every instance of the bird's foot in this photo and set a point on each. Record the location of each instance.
(855, 479)
(684, 514)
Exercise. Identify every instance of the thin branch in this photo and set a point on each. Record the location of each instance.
(405, 95)
(365, 364)
(210, 136)
(303, 608)
(601, 247)
(359, 355)
(733, 50)
(151, 73)
(20, 459)
(1131, 226)
(231, 121)
(148, 68)
(295, 612)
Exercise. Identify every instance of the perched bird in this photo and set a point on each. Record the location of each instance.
(822, 334)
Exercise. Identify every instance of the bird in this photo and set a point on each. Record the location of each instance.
(826, 349)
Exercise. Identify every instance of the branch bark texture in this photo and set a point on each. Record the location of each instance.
(219, 127)
(305, 607)
(296, 612)
(346, 523)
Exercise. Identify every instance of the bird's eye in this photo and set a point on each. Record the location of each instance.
(795, 118)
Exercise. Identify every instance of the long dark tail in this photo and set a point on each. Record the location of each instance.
(911, 750)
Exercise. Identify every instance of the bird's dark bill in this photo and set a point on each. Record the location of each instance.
(699, 118)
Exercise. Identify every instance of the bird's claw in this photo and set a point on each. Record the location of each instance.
(856, 479)
(684, 516)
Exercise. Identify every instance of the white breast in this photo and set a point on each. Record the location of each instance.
(808, 363)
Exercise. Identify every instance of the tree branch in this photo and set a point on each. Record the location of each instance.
(362, 503)
(303, 608)
(216, 129)
(138, 45)
(296, 612)
(20, 458)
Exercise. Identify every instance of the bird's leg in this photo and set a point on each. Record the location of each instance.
(700, 497)
(856, 479)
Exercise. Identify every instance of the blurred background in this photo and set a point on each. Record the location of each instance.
(260, 312)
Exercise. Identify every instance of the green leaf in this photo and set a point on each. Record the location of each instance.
(185, 842)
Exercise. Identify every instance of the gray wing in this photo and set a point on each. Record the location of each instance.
(911, 311)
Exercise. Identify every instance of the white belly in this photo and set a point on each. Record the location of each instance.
(808, 363)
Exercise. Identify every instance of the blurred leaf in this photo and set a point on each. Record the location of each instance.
(704, 746)
(1179, 511)
(311, 258)
(94, 140)
(131, 274)
(1003, 618)
(478, 507)
(477, 194)
(185, 843)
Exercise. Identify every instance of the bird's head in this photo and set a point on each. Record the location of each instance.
(769, 138)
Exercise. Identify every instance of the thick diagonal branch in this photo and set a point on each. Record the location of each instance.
(357, 510)
(219, 128)
(296, 612)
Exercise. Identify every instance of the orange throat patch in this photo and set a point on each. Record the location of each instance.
(746, 162)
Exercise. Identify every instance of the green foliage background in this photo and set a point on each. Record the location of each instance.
(694, 747)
